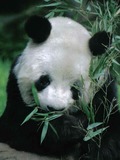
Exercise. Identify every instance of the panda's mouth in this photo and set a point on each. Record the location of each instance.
(51, 109)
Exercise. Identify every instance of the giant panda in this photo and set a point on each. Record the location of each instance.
(56, 58)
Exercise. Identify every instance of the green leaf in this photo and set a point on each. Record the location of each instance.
(117, 73)
(84, 108)
(46, 0)
(78, 1)
(93, 125)
(44, 131)
(52, 117)
(37, 119)
(50, 5)
(91, 134)
(117, 63)
(54, 130)
(30, 115)
(41, 114)
(50, 15)
(35, 96)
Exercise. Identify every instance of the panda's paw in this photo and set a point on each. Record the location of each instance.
(73, 129)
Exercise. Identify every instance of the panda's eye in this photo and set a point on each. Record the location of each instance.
(75, 91)
(42, 82)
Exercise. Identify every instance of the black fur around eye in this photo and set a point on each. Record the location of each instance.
(75, 93)
(75, 89)
(42, 82)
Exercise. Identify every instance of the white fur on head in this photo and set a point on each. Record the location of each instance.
(64, 56)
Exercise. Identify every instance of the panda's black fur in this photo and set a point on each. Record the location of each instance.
(70, 142)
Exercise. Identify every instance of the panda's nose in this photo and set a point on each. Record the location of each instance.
(54, 109)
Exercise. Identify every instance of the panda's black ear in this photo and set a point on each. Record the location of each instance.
(100, 42)
(38, 28)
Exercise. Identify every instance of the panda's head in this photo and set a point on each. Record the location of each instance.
(56, 59)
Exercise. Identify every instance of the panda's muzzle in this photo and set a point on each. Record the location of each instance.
(50, 108)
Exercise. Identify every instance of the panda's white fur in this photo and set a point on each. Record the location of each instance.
(65, 56)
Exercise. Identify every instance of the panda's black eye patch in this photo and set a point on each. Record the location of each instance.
(42, 82)
(75, 91)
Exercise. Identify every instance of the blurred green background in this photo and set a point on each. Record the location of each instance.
(13, 14)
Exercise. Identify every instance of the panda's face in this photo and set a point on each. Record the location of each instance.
(56, 65)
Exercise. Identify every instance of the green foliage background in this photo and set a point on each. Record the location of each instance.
(4, 71)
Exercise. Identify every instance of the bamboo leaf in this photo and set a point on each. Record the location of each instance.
(117, 63)
(44, 131)
(78, 1)
(54, 130)
(50, 15)
(30, 115)
(41, 114)
(50, 5)
(91, 134)
(46, 0)
(93, 125)
(35, 96)
(85, 109)
(52, 117)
